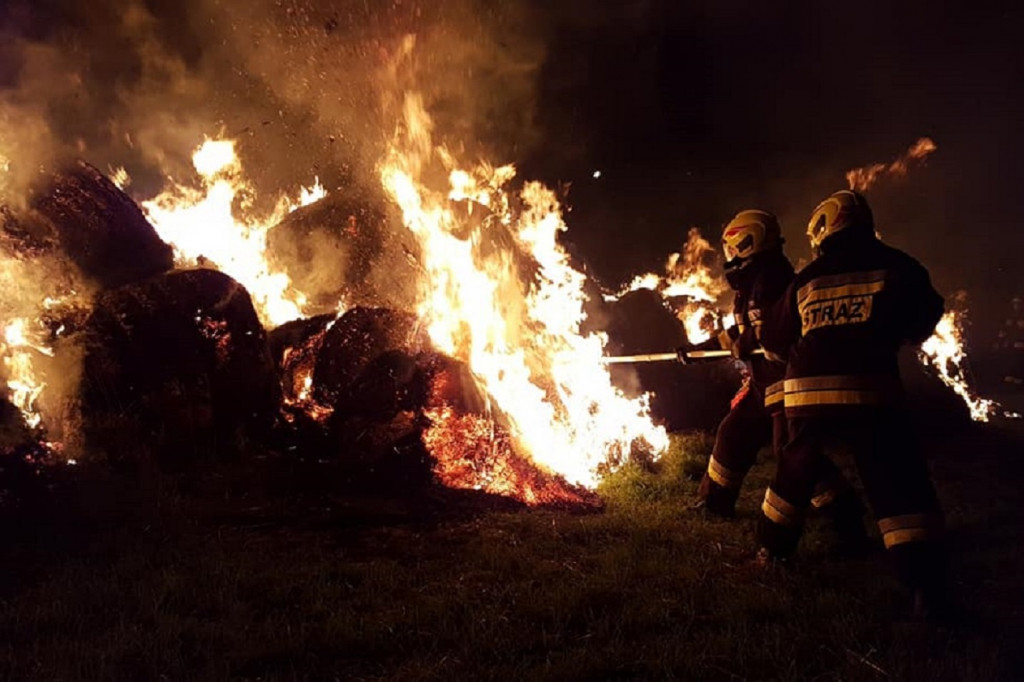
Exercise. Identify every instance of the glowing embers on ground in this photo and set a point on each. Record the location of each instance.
(471, 451)
(688, 287)
(944, 351)
(499, 293)
(201, 226)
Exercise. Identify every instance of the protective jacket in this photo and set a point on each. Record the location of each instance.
(759, 286)
(842, 321)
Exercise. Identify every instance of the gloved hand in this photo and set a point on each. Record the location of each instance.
(681, 354)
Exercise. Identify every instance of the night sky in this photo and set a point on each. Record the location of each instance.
(692, 111)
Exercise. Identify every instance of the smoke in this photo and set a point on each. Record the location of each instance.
(307, 87)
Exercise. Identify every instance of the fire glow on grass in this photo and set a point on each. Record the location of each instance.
(200, 224)
(498, 293)
(689, 277)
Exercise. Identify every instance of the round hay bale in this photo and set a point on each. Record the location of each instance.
(178, 366)
(98, 227)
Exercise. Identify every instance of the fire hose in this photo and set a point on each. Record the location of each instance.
(660, 357)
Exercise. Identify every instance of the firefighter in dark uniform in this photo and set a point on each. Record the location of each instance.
(841, 324)
(759, 273)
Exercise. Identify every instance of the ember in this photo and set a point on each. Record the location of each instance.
(472, 452)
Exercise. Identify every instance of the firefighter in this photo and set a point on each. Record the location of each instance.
(759, 272)
(841, 324)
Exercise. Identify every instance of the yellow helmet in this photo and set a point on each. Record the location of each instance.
(840, 211)
(750, 232)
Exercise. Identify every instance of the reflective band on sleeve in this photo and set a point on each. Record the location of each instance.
(723, 475)
(775, 393)
(897, 530)
(779, 510)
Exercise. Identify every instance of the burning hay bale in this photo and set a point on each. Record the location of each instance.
(285, 339)
(294, 347)
(691, 397)
(178, 365)
(367, 384)
(471, 449)
(399, 414)
(97, 226)
(354, 342)
(343, 246)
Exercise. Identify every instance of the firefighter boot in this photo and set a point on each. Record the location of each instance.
(777, 541)
(846, 513)
(921, 567)
(717, 499)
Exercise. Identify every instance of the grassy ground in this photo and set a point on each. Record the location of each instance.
(147, 583)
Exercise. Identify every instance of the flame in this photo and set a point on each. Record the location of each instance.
(688, 275)
(472, 452)
(18, 349)
(119, 176)
(519, 333)
(297, 367)
(944, 351)
(36, 294)
(307, 385)
(201, 226)
(861, 179)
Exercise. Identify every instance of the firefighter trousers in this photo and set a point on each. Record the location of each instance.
(746, 429)
(895, 478)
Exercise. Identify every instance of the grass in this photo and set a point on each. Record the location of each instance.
(146, 583)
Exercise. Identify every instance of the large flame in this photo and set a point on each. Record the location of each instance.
(688, 285)
(201, 226)
(499, 293)
(944, 351)
(861, 179)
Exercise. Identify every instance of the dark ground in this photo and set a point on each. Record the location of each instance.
(107, 579)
